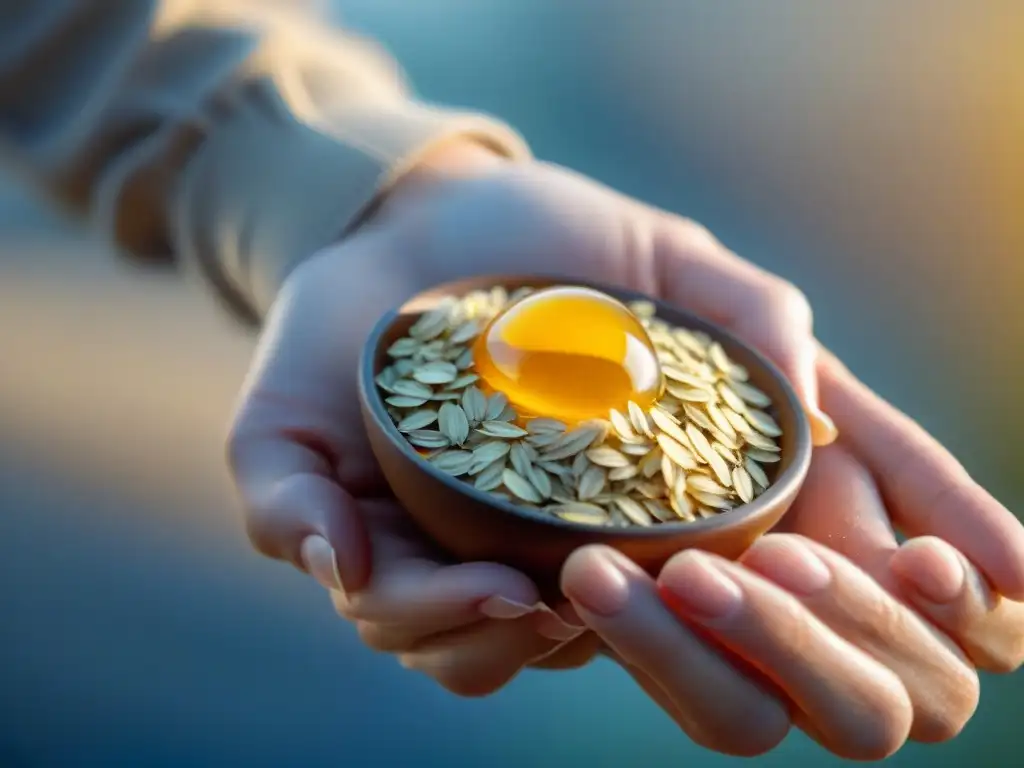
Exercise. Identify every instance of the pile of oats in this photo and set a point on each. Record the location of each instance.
(700, 451)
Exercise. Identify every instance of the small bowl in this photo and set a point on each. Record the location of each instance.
(472, 525)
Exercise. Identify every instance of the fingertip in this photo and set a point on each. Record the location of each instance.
(575, 568)
(347, 536)
(1011, 585)
(824, 431)
(595, 579)
(799, 363)
(319, 560)
(696, 585)
(491, 590)
(585, 562)
(1010, 580)
(791, 562)
(995, 546)
(931, 568)
(482, 580)
(308, 520)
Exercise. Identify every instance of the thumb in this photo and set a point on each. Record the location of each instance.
(309, 521)
(297, 449)
(771, 314)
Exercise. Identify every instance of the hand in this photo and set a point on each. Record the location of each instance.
(963, 568)
(954, 595)
(310, 486)
(795, 633)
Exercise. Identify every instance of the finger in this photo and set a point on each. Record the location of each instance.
(572, 654)
(399, 638)
(425, 593)
(857, 706)
(621, 604)
(943, 687)
(297, 431)
(303, 383)
(771, 314)
(927, 490)
(405, 638)
(953, 594)
(407, 619)
(409, 638)
(405, 635)
(478, 660)
(411, 590)
(286, 444)
(305, 519)
(839, 505)
(653, 689)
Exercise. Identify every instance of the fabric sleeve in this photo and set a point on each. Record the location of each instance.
(234, 137)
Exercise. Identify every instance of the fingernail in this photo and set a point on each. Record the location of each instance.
(498, 607)
(596, 581)
(790, 564)
(823, 430)
(554, 627)
(320, 562)
(698, 587)
(935, 571)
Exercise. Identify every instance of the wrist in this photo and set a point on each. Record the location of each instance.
(433, 173)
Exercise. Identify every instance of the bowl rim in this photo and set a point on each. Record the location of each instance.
(786, 483)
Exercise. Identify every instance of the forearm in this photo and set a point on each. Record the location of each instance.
(230, 136)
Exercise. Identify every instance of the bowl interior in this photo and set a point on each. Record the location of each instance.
(795, 442)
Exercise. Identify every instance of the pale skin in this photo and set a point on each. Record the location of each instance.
(826, 624)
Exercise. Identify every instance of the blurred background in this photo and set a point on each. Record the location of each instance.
(872, 152)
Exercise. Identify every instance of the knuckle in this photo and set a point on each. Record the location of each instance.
(881, 617)
(260, 530)
(370, 635)
(1004, 661)
(465, 681)
(696, 234)
(793, 301)
(234, 447)
(382, 639)
(342, 606)
(790, 620)
(275, 522)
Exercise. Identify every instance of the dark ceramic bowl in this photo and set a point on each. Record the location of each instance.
(472, 525)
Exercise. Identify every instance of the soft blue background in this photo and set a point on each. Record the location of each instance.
(138, 630)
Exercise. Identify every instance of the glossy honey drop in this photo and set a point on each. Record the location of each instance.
(568, 353)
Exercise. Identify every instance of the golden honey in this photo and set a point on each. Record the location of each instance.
(570, 354)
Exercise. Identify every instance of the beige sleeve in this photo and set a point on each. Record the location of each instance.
(236, 137)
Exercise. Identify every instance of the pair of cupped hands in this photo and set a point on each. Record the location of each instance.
(828, 623)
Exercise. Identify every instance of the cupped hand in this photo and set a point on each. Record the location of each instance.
(828, 624)
(310, 486)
